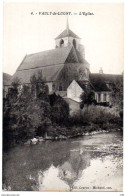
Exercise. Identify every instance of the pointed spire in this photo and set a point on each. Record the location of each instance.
(67, 26)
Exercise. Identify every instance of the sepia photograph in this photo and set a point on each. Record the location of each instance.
(62, 108)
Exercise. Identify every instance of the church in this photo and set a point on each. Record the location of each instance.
(60, 66)
(65, 70)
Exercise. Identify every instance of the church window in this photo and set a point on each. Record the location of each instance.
(105, 96)
(53, 87)
(96, 97)
(81, 73)
(87, 72)
(74, 43)
(61, 43)
(99, 97)
(60, 87)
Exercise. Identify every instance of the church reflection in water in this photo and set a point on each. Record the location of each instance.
(72, 169)
(67, 170)
(62, 165)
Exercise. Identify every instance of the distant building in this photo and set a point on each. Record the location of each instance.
(6, 83)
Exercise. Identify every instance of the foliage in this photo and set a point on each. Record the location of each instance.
(25, 94)
(59, 111)
(16, 83)
(38, 87)
(25, 115)
(32, 112)
(26, 118)
(7, 134)
(87, 97)
(95, 115)
(28, 112)
(53, 98)
(13, 91)
(117, 94)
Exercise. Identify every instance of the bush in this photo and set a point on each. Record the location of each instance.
(57, 130)
(60, 111)
(29, 117)
(25, 116)
(95, 115)
(88, 97)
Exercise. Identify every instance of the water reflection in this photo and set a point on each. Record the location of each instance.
(71, 170)
(66, 165)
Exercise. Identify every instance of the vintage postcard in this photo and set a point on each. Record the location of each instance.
(62, 97)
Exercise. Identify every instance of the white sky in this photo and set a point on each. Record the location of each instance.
(101, 33)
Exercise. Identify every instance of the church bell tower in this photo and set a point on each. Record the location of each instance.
(67, 38)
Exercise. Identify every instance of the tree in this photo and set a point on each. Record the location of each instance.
(38, 87)
(59, 111)
(25, 115)
(117, 94)
(25, 94)
(16, 83)
(29, 118)
(13, 91)
(87, 97)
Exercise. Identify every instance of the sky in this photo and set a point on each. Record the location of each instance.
(101, 33)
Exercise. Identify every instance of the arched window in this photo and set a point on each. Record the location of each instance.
(96, 97)
(99, 97)
(86, 72)
(105, 97)
(53, 87)
(74, 43)
(60, 87)
(61, 43)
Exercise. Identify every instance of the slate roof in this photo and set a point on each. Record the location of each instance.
(45, 58)
(50, 73)
(99, 81)
(109, 78)
(52, 63)
(81, 84)
(68, 33)
(81, 59)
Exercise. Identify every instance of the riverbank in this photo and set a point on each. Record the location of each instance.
(34, 127)
(38, 139)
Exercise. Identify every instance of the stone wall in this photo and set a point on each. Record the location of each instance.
(74, 91)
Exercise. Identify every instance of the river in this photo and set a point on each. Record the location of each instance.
(88, 163)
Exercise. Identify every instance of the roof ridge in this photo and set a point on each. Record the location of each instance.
(55, 75)
(42, 51)
(21, 62)
(106, 74)
(76, 54)
(45, 58)
(65, 34)
(70, 47)
(46, 51)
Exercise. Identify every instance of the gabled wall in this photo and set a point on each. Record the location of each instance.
(74, 91)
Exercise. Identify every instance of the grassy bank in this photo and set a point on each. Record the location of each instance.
(26, 117)
(90, 119)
